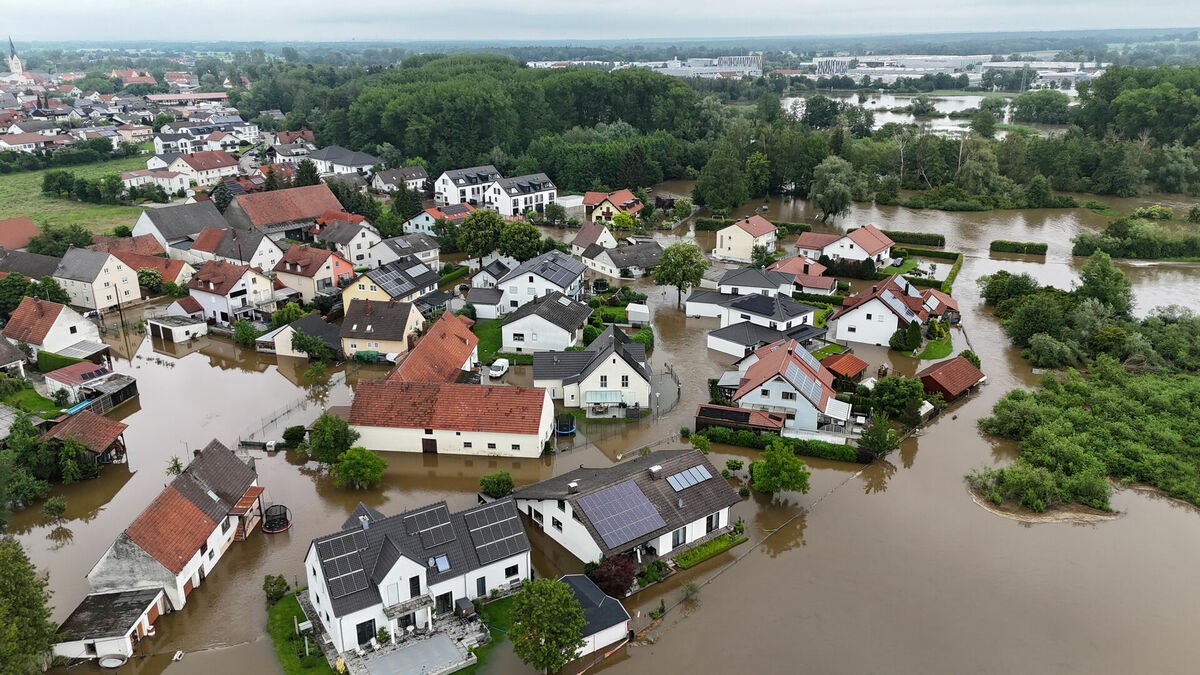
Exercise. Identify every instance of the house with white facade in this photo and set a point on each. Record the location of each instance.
(873, 314)
(659, 504)
(313, 271)
(352, 240)
(778, 312)
(464, 186)
(605, 619)
(48, 326)
(205, 168)
(549, 272)
(97, 279)
(632, 261)
(227, 293)
(865, 242)
(552, 322)
(606, 377)
(420, 246)
(807, 274)
(602, 206)
(176, 223)
(492, 271)
(738, 241)
(338, 160)
(784, 378)
(592, 233)
(236, 247)
(396, 572)
(170, 181)
(108, 626)
(423, 222)
(755, 281)
(390, 180)
(520, 195)
(457, 419)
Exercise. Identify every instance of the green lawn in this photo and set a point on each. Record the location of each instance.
(909, 264)
(291, 652)
(496, 614)
(937, 349)
(21, 195)
(490, 339)
(823, 316)
(828, 350)
(612, 314)
(32, 402)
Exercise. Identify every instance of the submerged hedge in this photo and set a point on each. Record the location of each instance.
(1029, 247)
(749, 439)
(923, 238)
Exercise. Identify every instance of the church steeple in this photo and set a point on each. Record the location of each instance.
(14, 62)
(12, 50)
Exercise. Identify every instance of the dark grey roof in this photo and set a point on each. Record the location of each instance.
(757, 278)
(778, 307)
(804, 332)
(397, 176)
(377, 320)
(168, 157)
(32, 265)
(341, 232)
(431, 301)
(474, 175)
(711, 297)
(497, 268)
(701, 499)
(573, 366)
(555, 266)
(403, 276)
(455, 210)
(81, 264)
(355, 559)
(181, 220)
(107, 615)
(339, 155)
(215, 480)
(556, 308)
(313, 325)
(171, 138)
(407, 244)
(600, 611)
(526, 185)
(9, 353)
(484, 296)
(748, 334)
(240, 245)
(644, 254)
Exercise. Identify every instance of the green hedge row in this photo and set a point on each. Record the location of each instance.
(818, 298)
(47, 362)
(457, 274)
(749, 439)
(709, 549)
(1029, 247)
(923, 238)
(926, 253)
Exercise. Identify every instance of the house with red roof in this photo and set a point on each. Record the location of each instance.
(142, 244)
(951, 378)
(227, 293)
(865, 242)
(175, 271)
(738, 241)
(845, 365)
(103, 438)
(592, 233)
(807, 273)
(205, 168)
(282, 213)
(313, 271)
(423, 222)
(446, 352)
(48, 326)
(784, 378)
(600, 207)
(15, 233)
(460, 419)
(873, 314)
(237, 247)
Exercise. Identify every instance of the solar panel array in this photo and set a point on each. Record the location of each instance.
(808, 359)
(621, 513)
(807, 386)
(92, 374)
(433, 524)
(892, 301)
(341, 561)
(496, 532)
(689, 477)
(742, 416)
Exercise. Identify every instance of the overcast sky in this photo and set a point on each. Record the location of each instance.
(323, 20)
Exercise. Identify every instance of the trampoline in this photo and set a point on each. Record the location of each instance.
(564, 424)
(278, 518)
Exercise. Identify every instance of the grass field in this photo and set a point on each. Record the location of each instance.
(937, 349)
(32, 402)
(909, 264)
(21, 195)
(290, 653)
(496, 614)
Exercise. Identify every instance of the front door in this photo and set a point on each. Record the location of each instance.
(366, 631)
(445, 603)
(429, 445)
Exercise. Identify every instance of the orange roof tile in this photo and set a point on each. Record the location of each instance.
(774, 361)
(144, 244)
(221, 274)
(190, 305)
(282, 206)
(95, 432)
(208, 239)
(171, 529)
(440, 354)
(302, 260)
(845, 364)
(16, 232)
(208, 160)
(871, 239)
(955, 375)
(756, 225)
(32, 320)
(169, 269)
(816, 240)
(798, 265)
(437, 405)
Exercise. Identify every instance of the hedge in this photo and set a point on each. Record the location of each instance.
(927, 252)
(1029, 247)
(47, 362)
(710, 548)
(923, 238)
(749, 439)
(457, 274)
(818, 298)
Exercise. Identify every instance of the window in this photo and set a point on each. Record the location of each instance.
(537, 516)
(414, 586)
(373, 287)
(712, 522)
(518, 337)
(765, 393)
(556, 523)
(466, 444)
(107, 284)
(603, 381)
(362, 287)
(562, 505)
(74, 329)
(393, 594)
(316, 599)
(868, 316)
(624, 380)
(851, 329)
(510, 572)
(428, 432)
(516, 446)
(224, 525)
(679, 537)
(491, 446)
(789, 395)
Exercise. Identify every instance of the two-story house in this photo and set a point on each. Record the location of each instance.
(873, 314)
(552, 322)
(608, 375)
(421, 246)
(289, 213)
(338, 160)
(48, 326)
(549, 272)
(382, 326)
(592, 233)
(352, 240)
(755, 281)
(404, 280)
(632, 261)
(227, 293)
(236, 247)
(424, 222)
(520, 195)
(97, 279)
(397, 572)
(447, 352)
(785, 378)
(865, 242)
(390, 180)
(738, 241)
(602, 206)
(205, 168)
(313, 271)
(464, 186)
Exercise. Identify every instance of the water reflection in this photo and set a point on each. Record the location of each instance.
(876, 475)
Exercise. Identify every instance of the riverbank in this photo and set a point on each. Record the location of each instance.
(1064, 513)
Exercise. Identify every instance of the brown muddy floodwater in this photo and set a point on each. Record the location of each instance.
(884, 568)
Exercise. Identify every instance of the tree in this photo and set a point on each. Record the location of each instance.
(359, 468)
(150, 279)
(819, 111)
(721, 184)
(779, 470)
(682, 209)
(548, 622)
(614, 576)
(54, 508)
(13, 287)
(311, 345)
(971, 356)
(1037, 193)
(24, 612)
(306, 174)
(272, 181)
(1100, 279)
(160, 119)
(496, 485)
(406, 203)
(757, 173)
(244, 333)
(520, 240)
(879, 437)
(622, 221)
(832, 187)
(555, 214)
(275, 586)
(221, 196)
(767, 107)
(891, 394)
(682, 265)
(330, 437)
(287, 314)
(760, 256)
(479, 233)
(984, 124)
(54, 240)
(48, 289)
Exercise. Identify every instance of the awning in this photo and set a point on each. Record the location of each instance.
(247, 500)
(83, 349)
(838, 410)
(602, 396)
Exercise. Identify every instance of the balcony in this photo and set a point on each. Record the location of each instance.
(408, 606)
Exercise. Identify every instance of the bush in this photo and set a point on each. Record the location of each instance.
(971, 356)
(645, 336)
(174, 290)
(734, 464)
(244, 333)
(614, 575)
(595, 301)
(743, 492)
(701, 443)
(1027, 247)
(1154, 212)
(47, 362)
(294, 436)
(468, 310)
(653, 572)
(818, 298)
(496, 485)
(710, 548)
(922, 238)
(275, 586)
(685, 432)
(590, 333)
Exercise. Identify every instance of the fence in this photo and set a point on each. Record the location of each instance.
(269, 419)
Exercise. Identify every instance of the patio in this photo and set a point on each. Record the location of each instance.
(436, 654)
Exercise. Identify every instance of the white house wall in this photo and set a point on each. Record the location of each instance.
(799, 410)
(540, 336)
(854, 326)
(726, 346)
(393, 439)
(574, 536)
(614, 368)
(60, 336)
(597, 641)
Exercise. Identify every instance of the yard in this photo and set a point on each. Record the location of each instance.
(21, 195)
(496, 614)
(290, 652)
(937, 349)
(909, 264)
(612, 314)
(491, 341)
(828, 350)
(32, 402)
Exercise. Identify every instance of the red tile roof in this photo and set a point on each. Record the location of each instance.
(144, 244)
(304, 261)
(896, 284)
(281, 169)
(871, 239)
(622, 199)
(846, 364)
(458, 407)
(816, 240)
(282, 206)
(941, 297)
(190, 305)
(798, 265)
(169, 269)
(955, 375)
(289, 137)
(16, 232)
(32, 320)
(208, 160)
(774, 360)
(222, 275)
(208, 239)
(73, 375)
(756, 225)
(440, 354)
(95, 432)
(333, 214)
(171, 529)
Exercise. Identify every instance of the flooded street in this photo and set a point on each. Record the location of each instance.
(889, 567)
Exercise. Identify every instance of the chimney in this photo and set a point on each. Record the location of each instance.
(196, 452)
(573, 487)
(656, 472)
(367, 307)
(364, 521)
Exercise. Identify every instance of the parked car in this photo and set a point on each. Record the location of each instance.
(498, 369)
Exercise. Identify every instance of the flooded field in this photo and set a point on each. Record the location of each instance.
(889, 567)
(883, 104)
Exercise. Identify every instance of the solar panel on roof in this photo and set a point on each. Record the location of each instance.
(496, 532)
(809, 359)
(688, 477)
(621, 513)
(727, 415)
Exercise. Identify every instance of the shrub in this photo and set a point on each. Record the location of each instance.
(970, 356)
(734, 464)
(701, 443)
(922, 238)
(818, 298)
(743, 492)
(1027, 247)
(1154, 212)
(496, 485)
(685, 432)
(1194, 214)
(275, 586)
(645, 336)
(710, 548)
(614, 576)
(294, 436)
(653, 572)
(468, 310)
(590, 333)
(47, 362)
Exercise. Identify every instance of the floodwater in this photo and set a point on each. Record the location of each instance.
(889, 567)
(882, 105)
